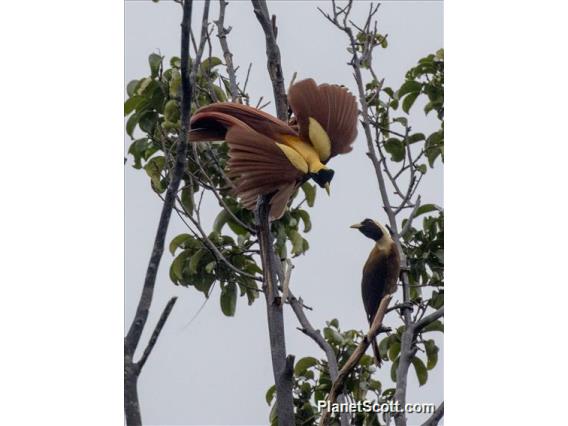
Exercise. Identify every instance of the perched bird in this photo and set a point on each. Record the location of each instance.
(381, 271)
(269, 156)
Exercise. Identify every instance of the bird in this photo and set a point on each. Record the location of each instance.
(270, 156)
(380, 273)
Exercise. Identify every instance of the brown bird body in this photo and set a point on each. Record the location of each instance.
(381, 270)
(269, 156)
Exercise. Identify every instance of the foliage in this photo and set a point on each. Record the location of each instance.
(228, 253)
(394, 134)
(312, 382)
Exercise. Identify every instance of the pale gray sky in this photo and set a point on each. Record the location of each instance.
(217, 370)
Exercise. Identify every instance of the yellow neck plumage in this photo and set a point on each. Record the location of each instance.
(304, 156)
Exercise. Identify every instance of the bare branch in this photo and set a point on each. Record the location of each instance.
(428, 319)
(273, 57)
(157, 330)
(222, 33)
(132, 339)
(435, 418)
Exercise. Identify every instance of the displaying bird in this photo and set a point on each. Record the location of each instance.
(381, 270)
(269, 156)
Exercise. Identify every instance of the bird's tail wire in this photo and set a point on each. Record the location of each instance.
(376, 352)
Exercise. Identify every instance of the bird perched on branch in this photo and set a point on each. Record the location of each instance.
(381, 271)
(269, 156)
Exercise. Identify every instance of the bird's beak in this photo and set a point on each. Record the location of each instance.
(327, 188)
(356, 226)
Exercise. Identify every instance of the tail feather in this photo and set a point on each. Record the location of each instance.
(376, 352)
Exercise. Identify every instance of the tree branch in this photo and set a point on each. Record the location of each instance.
(435, 418)
(157, 330)
(132, 339)
(282, 365)
(355, 357)
(273, 57)
(428, 319)
(222, 33)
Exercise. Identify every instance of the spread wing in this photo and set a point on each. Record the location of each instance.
(258, 166)
(212, 121)
(333, 107)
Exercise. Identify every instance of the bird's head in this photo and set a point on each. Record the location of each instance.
(323, 177)
(373, 230)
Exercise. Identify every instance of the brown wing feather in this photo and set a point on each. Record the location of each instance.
(332, 106)
(380, 277)
(258, 166)
(212, 121)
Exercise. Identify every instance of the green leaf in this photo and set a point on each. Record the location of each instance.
(384, 345)
(172, 110)
(175, 62)
(131, 86)
(426, 208)
(229, 299)
(408, 101)
(409, 86)
(305, 216)
(220, 221)
(195, 259)
(394, 350)
(148, 121)
(431, 353)
(178, 242)
(421, 371)
(270, 394)
(422, 168)
(310, 192)
(297, 242)
(187, 199)
(388, 91)
(131, 124)
(331, 335)
(155, 61)
(208, 64)
(395, 147)
(131, 104)
(273, 416)
(434, 326)
(394, 367)
(175, 84)
(176, 269)
(416, 137)
(210, 267)
(303, 364)
(401, 120)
